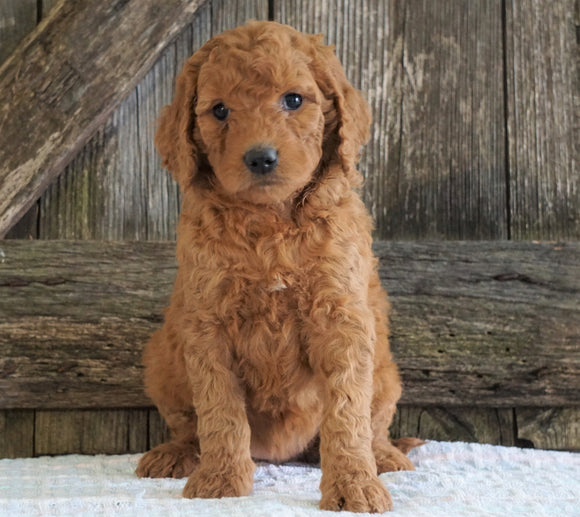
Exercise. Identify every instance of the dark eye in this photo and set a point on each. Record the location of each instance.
(220, 111)
(292, 101)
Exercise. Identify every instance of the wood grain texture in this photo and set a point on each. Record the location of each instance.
(481, 323)
(449, 178)
(228, 14)
(17, 19)
(54, 94)
(90, 432)
(448, 158)
(452, 88)
(549, 428)
(467, 424)
(132, 430)
(115, 189)
(432, 73)
(47, 5)
(365, 36)
(99, 335)
(472, 306)
(543, 92)
(28, 225)
(16, 433)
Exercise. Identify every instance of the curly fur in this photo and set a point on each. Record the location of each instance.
(276, 335)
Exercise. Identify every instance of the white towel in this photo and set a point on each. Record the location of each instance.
(452, 479)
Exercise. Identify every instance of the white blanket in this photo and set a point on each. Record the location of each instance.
(452, 479)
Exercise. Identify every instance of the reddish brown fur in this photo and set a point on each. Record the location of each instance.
(277, 328)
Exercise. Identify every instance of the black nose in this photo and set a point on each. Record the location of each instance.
(261, 160)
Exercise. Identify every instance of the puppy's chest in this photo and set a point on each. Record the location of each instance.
(268, 277)
(268, 302)
(260, 280)
(265, 303)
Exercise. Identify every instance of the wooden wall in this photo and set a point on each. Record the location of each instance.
(474, 133)
(475, 136)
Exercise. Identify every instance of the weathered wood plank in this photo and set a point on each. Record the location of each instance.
(28, 225)
(227, 14)
(367, 36)
(125, 431)
(435, 164)
(549, 428)
(111, 330)
(54, 94)
(487, 313)
(47, 5)
(448, 179)
(17, 19)
(543, 81)
(16, 433)
(467, 424)
(480, 323)
(115, 189)
(90, 432)
(72, 204)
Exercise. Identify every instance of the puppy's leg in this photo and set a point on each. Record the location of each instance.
(342, 350)
(226, 468)
(166, 382)
(388, 457)
(177, 458)
(386, 393)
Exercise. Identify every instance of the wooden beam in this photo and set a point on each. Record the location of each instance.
(434, 166)
(542, 82)
(490, 324)
(18, 19)
(17, 433)
(111, 431)
(65, 79)
(549, 428)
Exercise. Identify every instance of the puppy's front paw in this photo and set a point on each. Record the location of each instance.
(169, 460)
(214, 481)
(391, 459)
(356, 495)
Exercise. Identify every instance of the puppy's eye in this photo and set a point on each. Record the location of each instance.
(220, 111)
(292, 101)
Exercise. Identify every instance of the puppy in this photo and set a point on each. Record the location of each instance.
(276, 336)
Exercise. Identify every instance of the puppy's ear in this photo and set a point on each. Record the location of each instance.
(174, 138)
(347, 114)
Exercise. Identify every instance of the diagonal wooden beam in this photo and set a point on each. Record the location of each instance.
(66, 78)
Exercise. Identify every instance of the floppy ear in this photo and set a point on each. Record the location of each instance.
(174, 138)
(347, 115)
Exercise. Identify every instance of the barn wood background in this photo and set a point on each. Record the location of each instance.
(475, 137)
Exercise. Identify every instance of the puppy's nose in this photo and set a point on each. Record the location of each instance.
(261, 160)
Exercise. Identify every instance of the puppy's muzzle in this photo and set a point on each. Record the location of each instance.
(261, 160)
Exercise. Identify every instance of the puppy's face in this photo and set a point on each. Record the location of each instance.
(258, 111)
(259, 119)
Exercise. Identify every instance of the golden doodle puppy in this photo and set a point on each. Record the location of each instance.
(275, 340)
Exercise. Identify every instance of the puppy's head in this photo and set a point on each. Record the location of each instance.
(260, 112)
